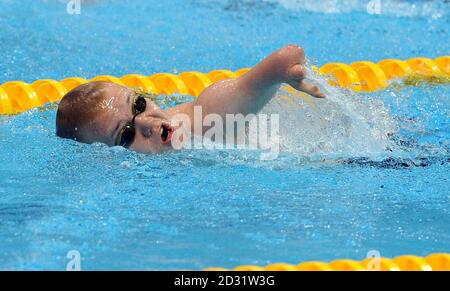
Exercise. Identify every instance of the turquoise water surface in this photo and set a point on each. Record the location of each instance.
(373, 176)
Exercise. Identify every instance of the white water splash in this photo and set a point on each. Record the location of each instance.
(342, 125)
(432, 8)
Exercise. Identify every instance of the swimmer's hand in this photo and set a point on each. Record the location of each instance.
(292, 58)
(296, 78)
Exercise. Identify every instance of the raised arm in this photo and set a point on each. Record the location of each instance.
(249, 93)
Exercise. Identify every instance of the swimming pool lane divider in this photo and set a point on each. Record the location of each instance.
(433, 262)
(363, 76)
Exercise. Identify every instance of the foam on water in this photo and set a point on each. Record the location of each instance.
(344, 124)
(434, 8)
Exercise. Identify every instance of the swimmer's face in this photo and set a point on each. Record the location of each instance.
(151, 131)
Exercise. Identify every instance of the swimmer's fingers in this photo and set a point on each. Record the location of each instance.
(296, 78)
(310, 89)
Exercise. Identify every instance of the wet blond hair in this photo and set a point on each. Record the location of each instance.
(78, 107)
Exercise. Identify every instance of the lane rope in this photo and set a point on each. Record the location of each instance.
(433, 262)
(362, 76)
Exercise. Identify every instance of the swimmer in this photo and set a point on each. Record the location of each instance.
(119, 116)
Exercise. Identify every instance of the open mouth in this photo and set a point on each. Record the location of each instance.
(166, 133)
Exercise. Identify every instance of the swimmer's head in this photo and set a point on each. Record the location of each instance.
(114, 115)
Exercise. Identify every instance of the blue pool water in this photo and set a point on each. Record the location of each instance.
(337, 190)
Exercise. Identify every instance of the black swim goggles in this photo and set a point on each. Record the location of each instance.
(127, 134)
